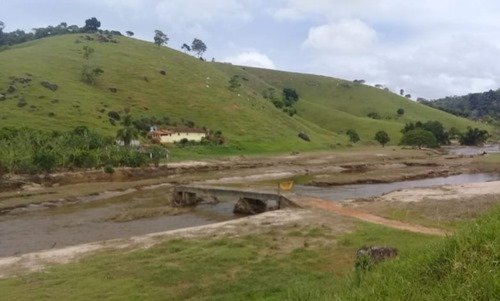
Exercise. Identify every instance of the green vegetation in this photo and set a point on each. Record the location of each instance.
(382, 137)
(353, 135)
(461, 267)
(274, 265)
(31, 151)
(419, 137)
(474, 137)
(294, 263)
(140, 78)
(484, 106)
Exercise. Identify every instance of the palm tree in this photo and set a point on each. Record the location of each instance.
(127, 132)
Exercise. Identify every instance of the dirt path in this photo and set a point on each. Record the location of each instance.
(311, 202)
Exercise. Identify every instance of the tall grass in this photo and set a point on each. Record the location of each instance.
(465, 266)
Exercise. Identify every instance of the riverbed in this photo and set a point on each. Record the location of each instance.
(73, 224)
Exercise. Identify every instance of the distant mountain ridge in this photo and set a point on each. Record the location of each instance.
(474, 106)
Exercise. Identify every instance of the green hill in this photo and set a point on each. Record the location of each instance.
(191, 90)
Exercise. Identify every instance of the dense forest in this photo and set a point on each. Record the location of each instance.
(484, 106)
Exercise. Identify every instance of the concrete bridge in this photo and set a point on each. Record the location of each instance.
(192, 195)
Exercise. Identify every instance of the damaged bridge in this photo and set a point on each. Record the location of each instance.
(249, 201)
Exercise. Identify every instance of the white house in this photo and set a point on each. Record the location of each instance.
(177, 134)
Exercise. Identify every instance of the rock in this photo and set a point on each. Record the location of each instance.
(2, 97)
(304, 137)
(376, 253)
(113, 90)
(249, 206)
(50, 86)
(11, 89)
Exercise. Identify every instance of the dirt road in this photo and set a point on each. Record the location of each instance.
(337, 208)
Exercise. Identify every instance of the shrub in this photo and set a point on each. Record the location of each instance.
(353, 135)
(290, 96)
(304, 137)
(474, 137)
(373, 115)
(400, 111)
(114, 115)
(419, 137)
(22, 102)
(109, 169)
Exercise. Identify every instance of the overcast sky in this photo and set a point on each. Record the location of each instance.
(430, 48)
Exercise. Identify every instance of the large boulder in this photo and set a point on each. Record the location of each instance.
(249, 206)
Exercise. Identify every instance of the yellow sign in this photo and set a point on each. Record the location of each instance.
(286, 186)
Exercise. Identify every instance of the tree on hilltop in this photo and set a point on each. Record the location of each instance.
(129, 33)
(199, 47)
(186, 48)
(160, 38)
(91, 25)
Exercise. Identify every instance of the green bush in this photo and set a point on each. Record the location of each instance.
(353, 135)
(419, 137)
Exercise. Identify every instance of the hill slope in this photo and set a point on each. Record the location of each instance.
(190, 90)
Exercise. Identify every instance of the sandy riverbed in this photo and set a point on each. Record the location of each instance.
(443, 192)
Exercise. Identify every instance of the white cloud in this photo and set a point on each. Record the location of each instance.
(200, 11)
(346, 36)
(252, 59)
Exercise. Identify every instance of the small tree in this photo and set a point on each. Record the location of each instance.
(199, 47)
(402, 92)
(400, 111)
(408, 95)
(91, 25)
(186, 48)
(128, 131)
(382, 137)
(419, 137)
(290, 96)
(129, 33)
(160, 38)
(156, 153)
(353, 135)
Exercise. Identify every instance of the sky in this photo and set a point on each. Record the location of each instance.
(429, 48)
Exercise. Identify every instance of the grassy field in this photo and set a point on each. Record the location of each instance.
(193, 90)
(276, 264)
(298, 262)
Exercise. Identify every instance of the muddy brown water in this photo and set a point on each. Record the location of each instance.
(72, 224)
(76, 224)
(356, 191)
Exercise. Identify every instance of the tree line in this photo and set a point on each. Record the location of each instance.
(92, 25)
(430, 134)
(476, 106)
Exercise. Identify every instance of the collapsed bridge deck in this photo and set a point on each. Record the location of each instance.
(192, 195)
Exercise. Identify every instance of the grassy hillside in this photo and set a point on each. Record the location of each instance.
(191, 90)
